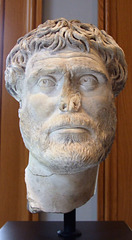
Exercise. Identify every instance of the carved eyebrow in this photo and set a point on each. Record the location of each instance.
(88, 71)
(47, 70)
(41, 71)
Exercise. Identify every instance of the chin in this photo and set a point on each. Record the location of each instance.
(70, 158)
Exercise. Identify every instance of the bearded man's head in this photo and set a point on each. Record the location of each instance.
(65, 75)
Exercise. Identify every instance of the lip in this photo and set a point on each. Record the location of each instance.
(71, 129)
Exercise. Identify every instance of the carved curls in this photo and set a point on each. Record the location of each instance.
(57, 34)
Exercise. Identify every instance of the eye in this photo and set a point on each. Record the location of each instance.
(88, 82)
(46, 82)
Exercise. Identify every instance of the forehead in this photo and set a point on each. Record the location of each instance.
(64, 61)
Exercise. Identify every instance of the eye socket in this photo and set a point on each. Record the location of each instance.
(88, 82)
(46, 82)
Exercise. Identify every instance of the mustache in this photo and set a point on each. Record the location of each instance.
(74, 120)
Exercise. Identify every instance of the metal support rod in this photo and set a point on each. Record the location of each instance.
(69, 226)
(69, 221)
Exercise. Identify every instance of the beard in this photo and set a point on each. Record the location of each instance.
(64, 152)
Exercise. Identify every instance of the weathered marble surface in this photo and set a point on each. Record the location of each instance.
(52, 192)
(65, 75)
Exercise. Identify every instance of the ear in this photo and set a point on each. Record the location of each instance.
(118, 73)
(14, 78)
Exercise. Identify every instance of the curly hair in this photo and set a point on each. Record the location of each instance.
(54, 35)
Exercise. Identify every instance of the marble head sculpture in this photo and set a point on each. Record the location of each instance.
(65, 75)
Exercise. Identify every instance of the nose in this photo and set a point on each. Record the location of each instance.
(70, 103)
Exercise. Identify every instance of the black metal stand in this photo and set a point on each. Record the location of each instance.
(69, 226)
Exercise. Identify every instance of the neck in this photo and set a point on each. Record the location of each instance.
(49, 192)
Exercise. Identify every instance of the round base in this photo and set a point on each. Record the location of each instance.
(68, 234)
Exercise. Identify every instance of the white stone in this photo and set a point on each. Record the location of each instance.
(51, 192)
(65, 76)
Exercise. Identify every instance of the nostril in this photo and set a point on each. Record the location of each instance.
(74, 104)
(64, 105)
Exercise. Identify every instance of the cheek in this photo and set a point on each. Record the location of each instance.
(40, 106)
(97, 105)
